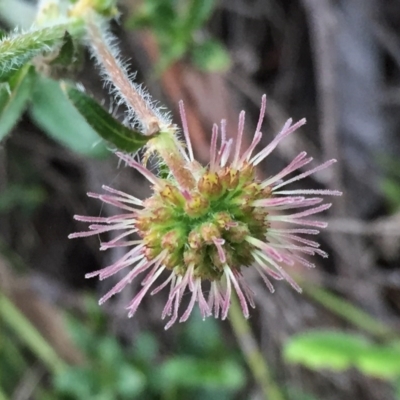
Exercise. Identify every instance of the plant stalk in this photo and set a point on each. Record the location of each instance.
(252, 354)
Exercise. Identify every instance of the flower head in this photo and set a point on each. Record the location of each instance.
(203, 231)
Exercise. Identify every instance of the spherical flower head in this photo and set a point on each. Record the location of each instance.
(203, 232)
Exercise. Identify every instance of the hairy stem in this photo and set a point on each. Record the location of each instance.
(168, 148)
(251, 351)
(18, 48)
(119, 78)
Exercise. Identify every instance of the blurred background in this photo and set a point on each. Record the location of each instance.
(335, 62)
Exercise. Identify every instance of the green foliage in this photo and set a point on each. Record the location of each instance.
(191, 372)
(142, 371)
(19, 47)
(67, 55)
(55, 114)
(210, 56)
(14, 97)
(339, 351)
(26, 198)
(177, 26)
(391, 190)
(390, 185)
(27, 333)
(350, 312)
(104, 124)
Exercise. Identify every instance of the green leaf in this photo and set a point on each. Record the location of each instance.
(380, 362)
(25, 197)
(130, 381)
(55, 114)
(211, 56)
(190, 372)
(325, 349)
(346, 310)
(145, 347)
(104, 124)
(14, 96)
(391, 190)
(79, 382)
(198, 13)
(109, 351)
(203, 337)
(66, 54)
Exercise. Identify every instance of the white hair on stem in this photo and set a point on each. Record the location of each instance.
(143, 112)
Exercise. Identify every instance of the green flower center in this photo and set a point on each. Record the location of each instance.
(206, 228)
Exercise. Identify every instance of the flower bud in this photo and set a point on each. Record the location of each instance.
(197, 205)
(172, 195)
(223, 219)
(209, 231)
(193, 257)
(210, 186)
(229, 178)
(247, 172)
(238, 233)
(172, 240)
(195, 240)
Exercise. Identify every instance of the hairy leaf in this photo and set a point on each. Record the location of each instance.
(18, 48)
(104, 124)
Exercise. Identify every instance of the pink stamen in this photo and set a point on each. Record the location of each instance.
(242, 299)
(262, 113)
(186, 130)
(132, 307)
(319, 192)
(239, 139)
(307, 173)
(213, 147)
(139, 167)
(221, 253)
(267, 282)
(286, 131)
(223, 131)
(247, 154)
(123, 194)
(227, 300)
(299, 162)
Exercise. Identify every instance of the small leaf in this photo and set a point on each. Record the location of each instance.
(130, 381)
(191, 372)
(66, 54)
(198, 13)
(14, 96)
(145, 347)
(380, 362)
(325, 349)
(211, 56)
(55, 114)
(79, 382)
(104, 124)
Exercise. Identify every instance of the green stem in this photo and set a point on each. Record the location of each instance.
(28, 334)
(248, 344)
(349, 312)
